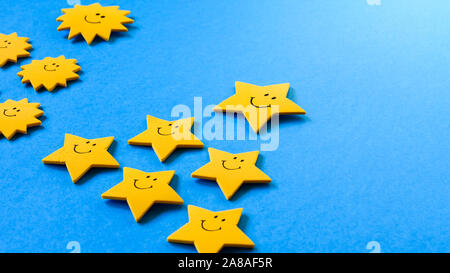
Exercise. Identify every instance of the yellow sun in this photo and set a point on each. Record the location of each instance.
(16, 116)
(93, 20)
(49, 72)
(13, 47)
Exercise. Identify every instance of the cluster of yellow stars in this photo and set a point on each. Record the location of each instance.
(209, 231)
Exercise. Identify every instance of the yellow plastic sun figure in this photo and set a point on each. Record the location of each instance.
(16, 116)
(141, 190)
(210, 231)
(49, 72)
(93, 20)
(13, 47)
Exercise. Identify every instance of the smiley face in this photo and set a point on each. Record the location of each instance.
(145, 182)
(213, 223)
(5, 43)
(51, 67)
(168, 130)
(266, 100)
(94, 18)
(235, 163)
(84, 147)
(11, 112)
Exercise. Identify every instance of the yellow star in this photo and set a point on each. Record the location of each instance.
(260, 103)
(13, 47)
(210, 231)
(141, 190)
(231, 170)
(16, 116)
(49, 72)
(165, 136)
(81, 154)
(93, 20)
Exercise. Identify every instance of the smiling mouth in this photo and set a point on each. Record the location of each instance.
(136, 186)
(45, 68)
(4, 113)
(75, 150)
(159, 128)
(203, 227)
(223, 165)
(257, 106)
(85, 19)
(3, 47)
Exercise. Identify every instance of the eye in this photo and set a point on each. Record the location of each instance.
(148, 176)
(97, 14)
(94, 144)
(57, 65)
(53, 63)
(170, 124)
(102, 16)
(242, 160)
(154, 179)
(14, 108)
(235, 157)
(9, 43)
(223, 220)
(274, 98)
(215, 216)
(18, 110)
(87, 142)
(151, 187)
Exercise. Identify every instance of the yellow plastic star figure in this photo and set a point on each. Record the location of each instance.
(49, 72)
(231, 170)
(81, 154)
(141, 190)
(165, 136)
(260, 103)
(210, 231)
(13, 47)
(16, 116)
(93, 20)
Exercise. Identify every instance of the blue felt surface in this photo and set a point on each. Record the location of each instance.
(369, 162)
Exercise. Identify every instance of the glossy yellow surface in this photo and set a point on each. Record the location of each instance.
(49, 72)
(210, 231)
(93, 20)
(16, 116)
(81, 154)
(260, 103)
(165, 136)
(141, 190)
(13, 47)
(231, 170)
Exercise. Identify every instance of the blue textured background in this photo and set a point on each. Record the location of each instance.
(368, 162)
